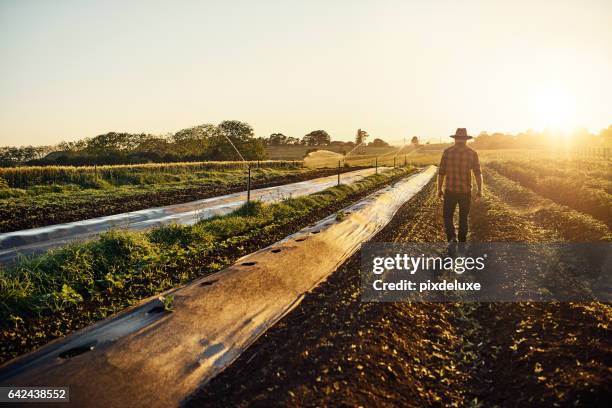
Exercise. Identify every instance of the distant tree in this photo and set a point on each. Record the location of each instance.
(414, 140)
(12, 156)
(317, 138)
(361, 137)
(112, 142)
(236, 130)
(75, 146)
(200, 132)
(202, 142)
(606, 135)
(293, 140)
(277, 139)
(194, 141)
(378, 143)
(494, 141)
(156, 145)
(241, 136)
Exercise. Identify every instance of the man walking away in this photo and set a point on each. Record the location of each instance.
(456, 166)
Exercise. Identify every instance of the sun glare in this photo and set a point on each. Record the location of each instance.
(553, 108)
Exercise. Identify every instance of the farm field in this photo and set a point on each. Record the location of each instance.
(347, 352)
(332, 348)
(345, 204)
(423, 155)
(33, 197)
(39, 196)
(72, 287)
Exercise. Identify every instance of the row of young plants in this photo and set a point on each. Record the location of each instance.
(581, 191)
(94, 176)
(548, 353)
(53, 294)
(52, 204)
(570, 224)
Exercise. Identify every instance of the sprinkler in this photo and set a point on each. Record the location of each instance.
(248, 201)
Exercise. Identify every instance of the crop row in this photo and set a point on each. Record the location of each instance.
(571, 225)
(573, 189)
(591, 173)
(23, 177)
(56, 203)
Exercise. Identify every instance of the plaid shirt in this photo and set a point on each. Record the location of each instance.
(456, 163)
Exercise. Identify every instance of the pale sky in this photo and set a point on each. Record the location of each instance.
(73, 69)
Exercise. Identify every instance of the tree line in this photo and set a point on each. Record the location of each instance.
(205, 142)
(532, 139)
(322, 138)
(210, 142)
(198, 143)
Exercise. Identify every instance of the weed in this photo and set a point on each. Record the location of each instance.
(168, 302)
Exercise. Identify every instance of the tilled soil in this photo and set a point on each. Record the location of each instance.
(334, 350)
(538, 354)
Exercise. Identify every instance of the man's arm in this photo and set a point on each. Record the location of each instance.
(477, 174)
(440, 184)
(479, 184)
(441, 174)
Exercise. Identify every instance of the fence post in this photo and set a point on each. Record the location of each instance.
(394, 161)
(248, 190)
(338, 172)
(405, 161)
(376, 165)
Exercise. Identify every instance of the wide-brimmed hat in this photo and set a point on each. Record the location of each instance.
(461, 133)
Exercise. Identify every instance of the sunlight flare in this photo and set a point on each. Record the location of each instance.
(554, 108)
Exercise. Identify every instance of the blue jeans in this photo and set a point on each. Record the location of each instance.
(451, 199)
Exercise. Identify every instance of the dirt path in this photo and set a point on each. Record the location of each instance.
(335, 350)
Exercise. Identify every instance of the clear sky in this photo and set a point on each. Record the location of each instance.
(72, 69)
